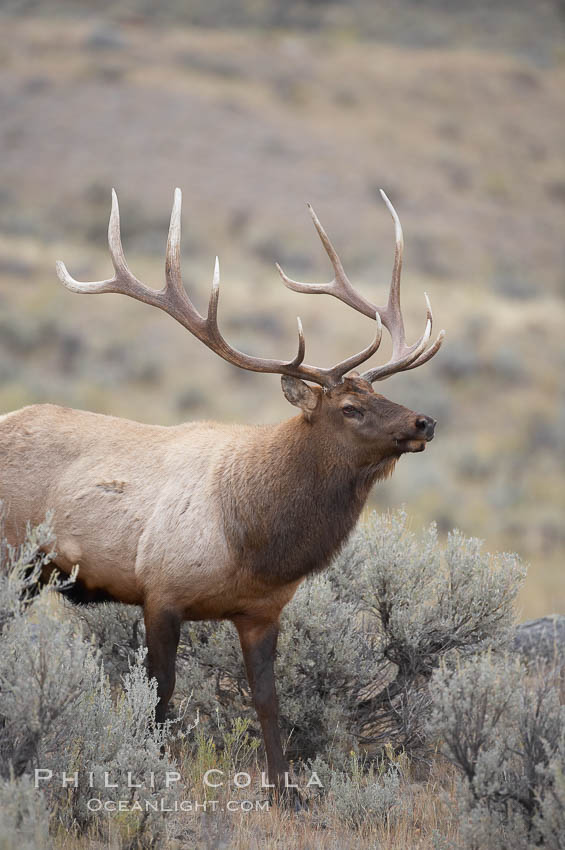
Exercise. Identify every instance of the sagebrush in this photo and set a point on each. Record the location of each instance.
(398, 649)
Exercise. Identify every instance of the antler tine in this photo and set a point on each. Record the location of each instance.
(301, 344)
(400, 363)
(392, 314)
(340, 287)
(212, 315)
(427, 355)
(172, 298)
(175, 299)
(173, 274)
(212, 336)
(123, 280)
(403, 356)
(409, 356)
(115, 240)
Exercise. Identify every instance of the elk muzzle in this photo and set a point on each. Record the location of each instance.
(426, 426)
(421, 433)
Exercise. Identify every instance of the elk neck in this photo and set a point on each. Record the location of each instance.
(291, 498)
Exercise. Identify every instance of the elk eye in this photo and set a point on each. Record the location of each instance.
(349, 410)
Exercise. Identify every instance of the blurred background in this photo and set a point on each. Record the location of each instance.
(254, 107)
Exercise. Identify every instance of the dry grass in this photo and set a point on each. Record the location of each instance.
(424, 808)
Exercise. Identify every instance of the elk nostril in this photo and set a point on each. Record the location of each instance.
(422, 424)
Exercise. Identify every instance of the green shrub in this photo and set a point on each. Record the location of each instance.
(421, 602)
(550, 819)
(360, 795)
(20, 566)
(505, 734)
(58, 713)
(24, 819)
(117, 631)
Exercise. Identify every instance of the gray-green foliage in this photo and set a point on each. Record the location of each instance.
(360, 800)
(429, 600)
(422, 602)
(550, 820)
(24, 819)
(44, 669)
(58, 712)
(324, 656)
(506, 734)
(117, 631)
(362, 794)
(21, 565)
(114, 737)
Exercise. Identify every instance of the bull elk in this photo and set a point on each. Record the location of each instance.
(209, 521)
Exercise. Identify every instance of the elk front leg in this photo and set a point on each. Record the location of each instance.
(162, 629)
(258, 643)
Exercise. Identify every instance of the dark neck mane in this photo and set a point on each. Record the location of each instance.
(290, 501)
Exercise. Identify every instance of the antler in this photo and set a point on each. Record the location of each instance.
(173, 299)
(403, 356)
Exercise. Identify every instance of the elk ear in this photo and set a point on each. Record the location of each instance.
(300, 394)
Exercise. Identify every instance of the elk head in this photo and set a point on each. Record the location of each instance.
(365, 425)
